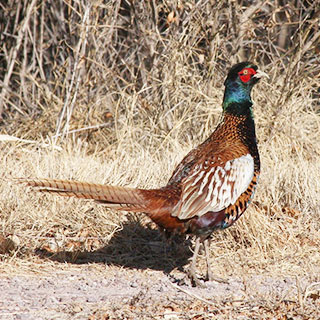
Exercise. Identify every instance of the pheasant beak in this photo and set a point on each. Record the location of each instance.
(260, 74)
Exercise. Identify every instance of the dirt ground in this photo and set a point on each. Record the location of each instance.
(46, 289)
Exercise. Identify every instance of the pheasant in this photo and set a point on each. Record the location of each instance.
(211, 187)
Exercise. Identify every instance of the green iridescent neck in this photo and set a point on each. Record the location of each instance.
(237, 99)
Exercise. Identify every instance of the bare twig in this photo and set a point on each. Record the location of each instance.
(76, 75)
(189, 293)
(13, 57)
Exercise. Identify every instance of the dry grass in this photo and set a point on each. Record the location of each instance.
(149, 102)
(279, 233)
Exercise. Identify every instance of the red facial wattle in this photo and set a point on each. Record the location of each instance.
(246, 74)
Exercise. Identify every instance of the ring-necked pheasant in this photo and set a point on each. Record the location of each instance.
(212, 186)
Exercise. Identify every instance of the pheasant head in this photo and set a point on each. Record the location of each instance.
(240, 80)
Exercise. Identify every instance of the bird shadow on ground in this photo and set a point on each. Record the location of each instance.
(134, 246)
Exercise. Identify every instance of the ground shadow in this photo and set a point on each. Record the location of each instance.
(135, 246)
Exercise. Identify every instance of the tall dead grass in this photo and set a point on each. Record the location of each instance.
(120, 91)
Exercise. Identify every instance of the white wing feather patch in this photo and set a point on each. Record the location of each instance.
(214, 188)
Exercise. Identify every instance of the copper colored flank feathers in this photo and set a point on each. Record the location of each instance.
(209, 190)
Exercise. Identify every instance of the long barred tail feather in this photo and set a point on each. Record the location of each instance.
(119, 198)
(155, 203)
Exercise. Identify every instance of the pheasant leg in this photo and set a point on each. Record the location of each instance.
(209, 276)
(192, 268)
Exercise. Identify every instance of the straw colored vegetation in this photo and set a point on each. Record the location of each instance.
(117, 93)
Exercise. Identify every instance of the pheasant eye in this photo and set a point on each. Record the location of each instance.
(245, 74)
